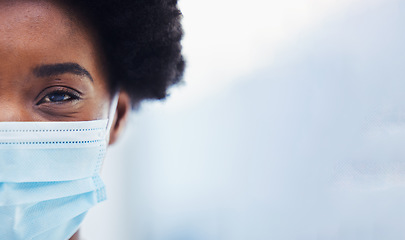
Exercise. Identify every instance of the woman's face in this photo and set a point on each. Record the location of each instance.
(50, 66)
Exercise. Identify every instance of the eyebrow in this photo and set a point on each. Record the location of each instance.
(50, 70)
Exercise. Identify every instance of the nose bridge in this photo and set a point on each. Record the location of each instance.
(13, 90)
(12, 110)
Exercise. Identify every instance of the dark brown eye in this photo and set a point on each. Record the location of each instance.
(59, 96)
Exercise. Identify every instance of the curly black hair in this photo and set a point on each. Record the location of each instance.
(141, 41)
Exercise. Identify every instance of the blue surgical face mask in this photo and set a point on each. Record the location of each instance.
(49, 176)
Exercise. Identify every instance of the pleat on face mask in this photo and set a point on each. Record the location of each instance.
(49, 176)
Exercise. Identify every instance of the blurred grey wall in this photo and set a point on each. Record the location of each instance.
(306, 144)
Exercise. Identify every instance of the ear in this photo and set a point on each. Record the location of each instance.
(120, 117)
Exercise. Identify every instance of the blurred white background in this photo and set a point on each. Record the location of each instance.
(290, 125)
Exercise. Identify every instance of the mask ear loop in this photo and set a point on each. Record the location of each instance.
(111, 114)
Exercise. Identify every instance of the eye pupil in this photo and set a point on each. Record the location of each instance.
(58, 97)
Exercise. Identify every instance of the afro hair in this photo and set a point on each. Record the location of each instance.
(141, 42)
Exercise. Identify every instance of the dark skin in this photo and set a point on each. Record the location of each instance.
(51, 68)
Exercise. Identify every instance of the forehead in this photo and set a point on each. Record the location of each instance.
(36, 22)
(42, 32)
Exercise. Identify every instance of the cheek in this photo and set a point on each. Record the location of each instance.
(95, 109)
(98, 104)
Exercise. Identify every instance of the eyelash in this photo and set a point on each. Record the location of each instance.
(72, 96)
